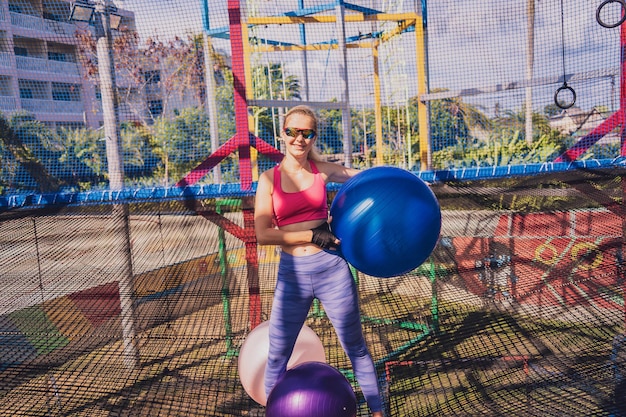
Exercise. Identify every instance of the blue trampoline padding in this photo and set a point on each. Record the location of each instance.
(127, 195)
(14, 346)
(137, 195)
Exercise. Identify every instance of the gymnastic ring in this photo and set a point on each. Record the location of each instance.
(564, 87)
(541, 248)
(604, 3)
(597, 260)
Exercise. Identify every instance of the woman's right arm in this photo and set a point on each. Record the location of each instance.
(266, 233)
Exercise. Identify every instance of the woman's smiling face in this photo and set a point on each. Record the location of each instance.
(299, 124)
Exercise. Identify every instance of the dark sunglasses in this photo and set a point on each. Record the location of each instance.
(306, 133)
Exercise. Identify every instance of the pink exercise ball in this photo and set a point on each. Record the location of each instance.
(255, 350)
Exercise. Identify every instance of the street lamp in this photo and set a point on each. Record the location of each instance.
(114, 21)
(81, 12)
(85, 12)
(102, 15)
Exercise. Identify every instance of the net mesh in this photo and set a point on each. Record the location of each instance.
(130, 273)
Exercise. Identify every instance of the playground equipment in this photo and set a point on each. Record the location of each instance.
(244, 141)
(527, 281)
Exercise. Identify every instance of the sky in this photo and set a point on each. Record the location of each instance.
(472, 44)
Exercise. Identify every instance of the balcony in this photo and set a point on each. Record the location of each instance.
(52, 106)
(27, 63)
(40, 24)
(5, 60)
(59, 67)
(7, 104)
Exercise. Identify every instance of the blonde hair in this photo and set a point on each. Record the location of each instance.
(314, 153)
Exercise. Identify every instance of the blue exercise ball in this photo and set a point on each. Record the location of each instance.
(312, 389)
(388, 221)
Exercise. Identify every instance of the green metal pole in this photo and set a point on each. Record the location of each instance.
(434, 304)
(230, 352)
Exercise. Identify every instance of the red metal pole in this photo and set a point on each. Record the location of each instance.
(621, 270)
(242, 140)
(242, 137)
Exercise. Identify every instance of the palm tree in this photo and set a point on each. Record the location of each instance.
(452, 119)
(514, 121)
(28, 142)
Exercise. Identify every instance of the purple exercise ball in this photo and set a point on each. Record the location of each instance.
(312, 389)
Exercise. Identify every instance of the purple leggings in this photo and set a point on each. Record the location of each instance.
(325, 276)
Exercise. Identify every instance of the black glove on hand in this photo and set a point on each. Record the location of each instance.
(323, 237)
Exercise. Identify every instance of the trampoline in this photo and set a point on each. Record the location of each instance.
(133, 298)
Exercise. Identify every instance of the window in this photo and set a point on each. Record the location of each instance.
(219, 77)
(152, 77)
(26, 93)
(57, 56)
(98, 93)
(65, 92)
(31, 89)
(155, 107)
(60, 95)
(53, 16)
(20, 51)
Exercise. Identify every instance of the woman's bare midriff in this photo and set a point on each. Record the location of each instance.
(305, 248)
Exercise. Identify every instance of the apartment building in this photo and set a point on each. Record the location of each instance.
(39, 66)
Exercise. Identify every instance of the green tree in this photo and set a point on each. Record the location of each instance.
(182, 142)
(452, 119)
(32, 146)
(271, 82)
(506, 147)
(226, 104)
(330, 131)
(83, 155)
(513, 121)
(552, 110)
(158, 71)
(364, 133)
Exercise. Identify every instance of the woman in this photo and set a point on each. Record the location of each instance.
(291, 210)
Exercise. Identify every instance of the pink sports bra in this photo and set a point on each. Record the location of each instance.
(308, 204)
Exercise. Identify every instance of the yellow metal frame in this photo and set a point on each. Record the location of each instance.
(248, 71)
(405, 20)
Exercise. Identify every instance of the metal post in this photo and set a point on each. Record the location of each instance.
(211, 105)
(378, 112)
(121, 226)
(223, 258)
(434, 301)
(305, 64)
(423, 108)
(343, 73)
(106, 71)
